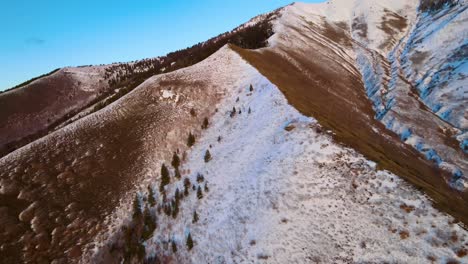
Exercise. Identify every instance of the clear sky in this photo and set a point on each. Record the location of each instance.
(39, 36)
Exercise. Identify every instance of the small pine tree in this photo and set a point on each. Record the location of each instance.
(251, 88)
(199, 192)
(165, 180)
(195, 217)
(192, 112)
(219, 138)
(174, 246)
(200, 178)
(206, 187)
(177, 173)
(175, 161)
(207, 156)
(250, 111)
(189, 242)
(175, 208)
(149, 224)
(136, 207)
(240, 111)
(237, 100)
(233, 112)
(205, 123)
(177, 195)
(151, 199)
(190, 140)
(186, 186)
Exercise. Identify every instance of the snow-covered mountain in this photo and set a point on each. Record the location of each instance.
(342, 140)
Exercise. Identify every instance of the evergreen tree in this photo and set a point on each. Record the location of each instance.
(186, 186)
(205, 123)
(250, 111)
(175, 208)
(192, 112)
(219, 138)
(175, 161)
(237, 100)
(136, 207)
(190, 140)
(200, 178)
(207, 156)
(151, 199)
(177, 195)
(233, 112)
(206, 187)
(189, 242)
(149, 224)
(177, 173)
(199, 192)
(174, 246)
(165, 180)
(195, 217)
(251, 88)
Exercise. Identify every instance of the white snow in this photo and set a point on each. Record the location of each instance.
(279, 196)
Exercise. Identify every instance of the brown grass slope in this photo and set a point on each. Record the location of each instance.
(30, 111)
(321, 82)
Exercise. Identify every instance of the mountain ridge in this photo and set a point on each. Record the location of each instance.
(70, 193)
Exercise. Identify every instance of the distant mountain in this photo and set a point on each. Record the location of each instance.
(317, 133)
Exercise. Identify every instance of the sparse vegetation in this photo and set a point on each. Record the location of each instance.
(195, 217)
(136, 207)
(151, 199)
(205, 123)
(189, 242)
(233, 112)
(190, 140)
(200, 178)
(193, 113)
(199, 192)
(175, 161)
(174, 246)
(207, 156)
(165, 179)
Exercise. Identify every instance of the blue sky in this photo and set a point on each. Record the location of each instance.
(39, 36)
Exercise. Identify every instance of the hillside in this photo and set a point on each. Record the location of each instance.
(323, 133)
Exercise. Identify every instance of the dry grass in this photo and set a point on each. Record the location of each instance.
(320, 87)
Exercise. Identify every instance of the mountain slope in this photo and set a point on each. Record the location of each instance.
(291, 129)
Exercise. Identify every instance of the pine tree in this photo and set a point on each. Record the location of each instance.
(189, 242)
(165, 180)
(151, 199)
(233, 112)
(190, 140)
(136, 207)
(195, 217)
(175, 208)
(205, 123)
(206, 187)
(250, 111)
(251, 88)
(174, 246)
(192, 112)
(150, 224)
(175, 161)
(186, 186)
(199, 192)
(207, 156)
(200, 178)
(219, 138)
(237, 100)
(177, 195)
(177, 173)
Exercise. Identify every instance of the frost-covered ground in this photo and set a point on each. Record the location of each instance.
(281, 191)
